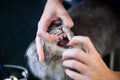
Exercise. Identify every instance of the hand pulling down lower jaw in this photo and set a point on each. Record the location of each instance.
(69, 36)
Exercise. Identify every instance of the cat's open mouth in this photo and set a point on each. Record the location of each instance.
(61, 32)
(63, 40)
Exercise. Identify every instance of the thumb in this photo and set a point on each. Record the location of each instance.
(40, 49)
(43, 25)
(67, 21)
(85, 42)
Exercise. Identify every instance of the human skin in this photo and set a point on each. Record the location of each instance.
(53, 11)
(88, 62)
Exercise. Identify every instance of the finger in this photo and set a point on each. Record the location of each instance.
(84, 41)
(74, 75)
(56, 20)
(46, 36)
(77, 65)
(39, 49)
(43, 25)
(67, 21)
(44, 22)
(77, 54)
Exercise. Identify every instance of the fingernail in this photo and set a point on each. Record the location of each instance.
(68, 44)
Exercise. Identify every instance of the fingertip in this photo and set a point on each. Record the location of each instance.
(39, 47)
(41, 55)
(41, 59)
(70, 43)
(68, 23)
(67, 71)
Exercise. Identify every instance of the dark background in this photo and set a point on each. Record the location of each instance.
(18, 25)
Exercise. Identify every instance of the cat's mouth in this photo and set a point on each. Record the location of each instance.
(63, 41)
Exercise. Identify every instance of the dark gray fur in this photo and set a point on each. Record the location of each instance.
(99, 23)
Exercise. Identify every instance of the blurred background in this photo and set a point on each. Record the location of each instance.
(18, 25)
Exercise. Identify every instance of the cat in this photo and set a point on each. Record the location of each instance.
(51, 68)
(91, 19)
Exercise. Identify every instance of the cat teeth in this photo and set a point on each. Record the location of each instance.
(61, 36)
(64, 35)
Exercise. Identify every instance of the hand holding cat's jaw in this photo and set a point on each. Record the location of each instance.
(59, 35)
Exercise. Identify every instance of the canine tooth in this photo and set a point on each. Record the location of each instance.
(65, 35)
(67, 31)
(69, 36)
(61, 37)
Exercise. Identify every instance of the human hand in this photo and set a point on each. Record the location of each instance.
(88, 63)
(53, 11)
